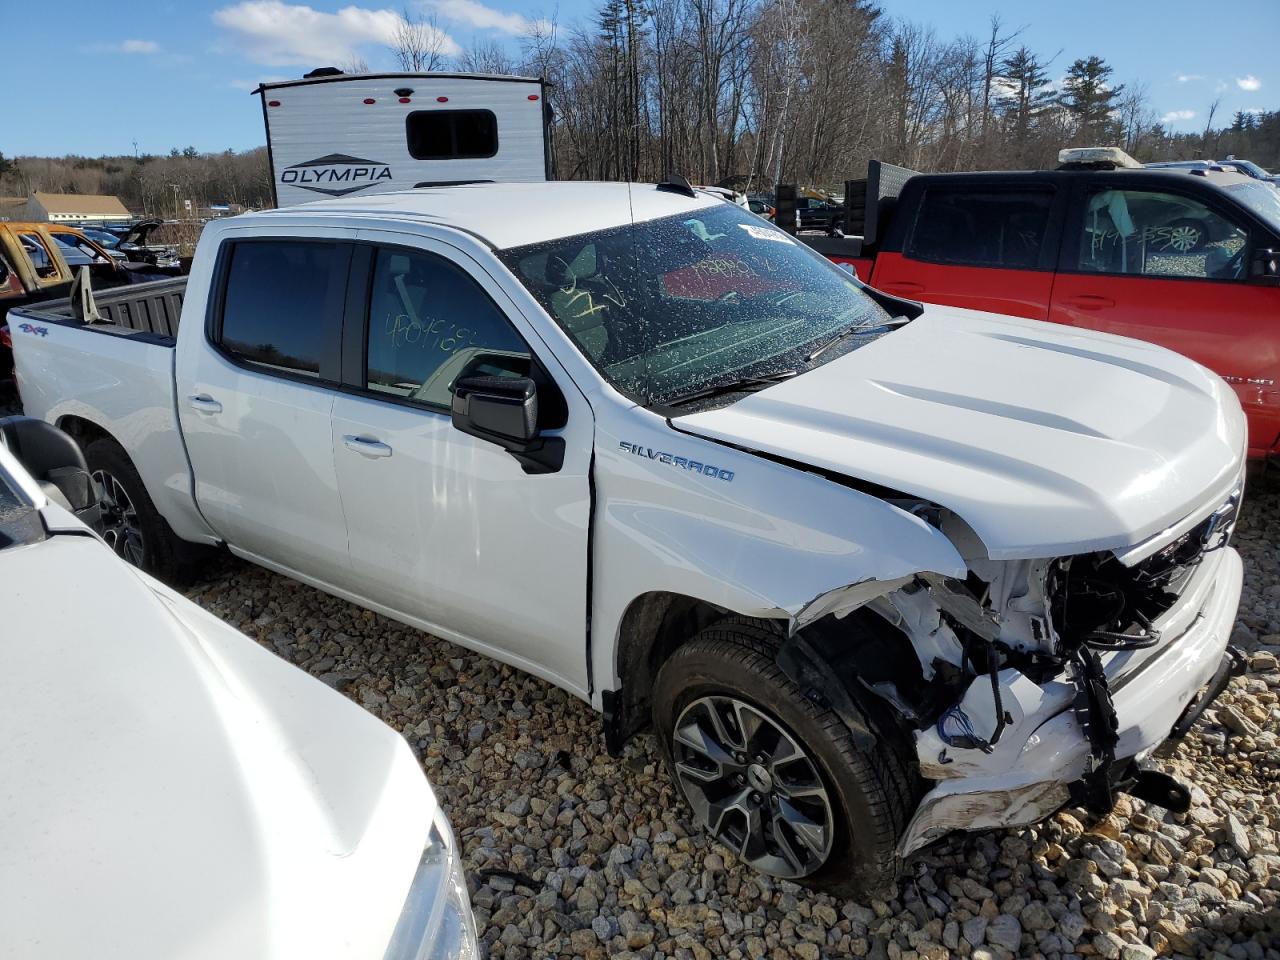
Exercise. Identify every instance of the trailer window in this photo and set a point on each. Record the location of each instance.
(451, 134)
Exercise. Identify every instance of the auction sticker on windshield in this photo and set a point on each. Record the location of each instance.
(765, 233)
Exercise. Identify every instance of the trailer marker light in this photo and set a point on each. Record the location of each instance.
(404, 99)
(273, 103)
(533, 96)
(442, 99)
(370, 100)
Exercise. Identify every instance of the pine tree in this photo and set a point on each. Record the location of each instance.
(1091, 100)
(1026, 92)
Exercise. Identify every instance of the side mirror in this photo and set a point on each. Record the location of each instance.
(55, 462)
(501, 409)
(1265, 265)
(504, 410)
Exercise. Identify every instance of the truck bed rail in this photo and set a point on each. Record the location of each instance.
(149, 308)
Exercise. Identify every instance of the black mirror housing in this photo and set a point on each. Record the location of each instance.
(55, 461)
(504, 410)
(501, 409)
(1265, 265)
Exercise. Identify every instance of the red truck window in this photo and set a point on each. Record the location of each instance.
(993, 228)
(1159, 234)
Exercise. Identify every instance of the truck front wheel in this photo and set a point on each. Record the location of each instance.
(778, 779)
(130, 523)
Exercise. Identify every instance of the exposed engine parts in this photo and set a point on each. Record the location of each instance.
(989, 655)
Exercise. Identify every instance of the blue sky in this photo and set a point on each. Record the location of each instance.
(98, 76)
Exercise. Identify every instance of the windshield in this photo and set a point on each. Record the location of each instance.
(103, 239)
(681, 304)
(1262, 198)
(1247, 167)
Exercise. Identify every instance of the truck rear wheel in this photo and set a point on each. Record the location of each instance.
(130, 523)
(778, 779)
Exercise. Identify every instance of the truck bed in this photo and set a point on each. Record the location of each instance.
(115, 375)
(150, 312)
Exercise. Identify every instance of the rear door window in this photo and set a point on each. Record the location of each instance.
(1152, 234)
(451, 134)
(41, 259)
(282, 305)
(981, 228)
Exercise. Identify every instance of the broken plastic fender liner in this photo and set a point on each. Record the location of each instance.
(844, 600)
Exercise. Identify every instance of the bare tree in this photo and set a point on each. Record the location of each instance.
(486, 56)
(418, 43)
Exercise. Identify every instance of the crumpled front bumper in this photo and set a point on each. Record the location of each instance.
(1150, 691)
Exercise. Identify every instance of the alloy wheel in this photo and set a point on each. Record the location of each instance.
(1184, 239)
(118, 522)
(753, 786)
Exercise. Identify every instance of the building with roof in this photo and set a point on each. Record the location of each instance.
(74, 208)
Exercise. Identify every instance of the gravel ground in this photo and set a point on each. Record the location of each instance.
(572, 853)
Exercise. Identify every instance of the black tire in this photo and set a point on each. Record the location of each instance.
(871, 793)
(155, 549)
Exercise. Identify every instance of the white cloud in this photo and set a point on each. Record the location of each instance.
(139, 46)
(278, 34)
(1177, 116)
(476, 14)
(1189, 77)
(1250, 83)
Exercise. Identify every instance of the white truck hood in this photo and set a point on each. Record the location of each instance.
(174, 790)
(1045, 439)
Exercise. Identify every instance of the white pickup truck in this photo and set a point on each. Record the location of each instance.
(872, 572)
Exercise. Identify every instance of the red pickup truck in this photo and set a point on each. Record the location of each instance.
(1188, 259)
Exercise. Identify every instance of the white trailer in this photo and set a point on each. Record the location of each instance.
(332, 134)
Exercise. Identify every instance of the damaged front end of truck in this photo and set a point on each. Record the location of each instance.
(1031, 684)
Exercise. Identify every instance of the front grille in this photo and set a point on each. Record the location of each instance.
(1097, 601)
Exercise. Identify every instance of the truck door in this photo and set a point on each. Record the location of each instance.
(255, 395)
(445, 529)
(981, 246)
(1172, 268)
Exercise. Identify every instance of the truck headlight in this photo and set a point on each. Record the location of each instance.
(436, 922)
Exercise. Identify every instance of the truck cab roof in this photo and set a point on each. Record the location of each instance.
(506, 215)
(1146, 176)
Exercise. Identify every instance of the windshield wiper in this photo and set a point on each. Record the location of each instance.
(737, 385)
(860, 329)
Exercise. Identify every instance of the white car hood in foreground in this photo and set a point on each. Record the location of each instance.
(1046, 440)
(178, 792)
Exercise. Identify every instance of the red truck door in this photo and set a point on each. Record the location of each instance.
(982, 245)
(1172, 268)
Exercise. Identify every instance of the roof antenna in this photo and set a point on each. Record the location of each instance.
(674, 183)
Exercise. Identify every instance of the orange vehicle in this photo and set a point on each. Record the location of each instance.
(34, 266)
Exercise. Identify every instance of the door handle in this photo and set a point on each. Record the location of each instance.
(373, 449)
(203, 403)
(901, 286)
(1088, 301)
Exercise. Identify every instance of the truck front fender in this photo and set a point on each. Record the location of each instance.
(738, 532)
